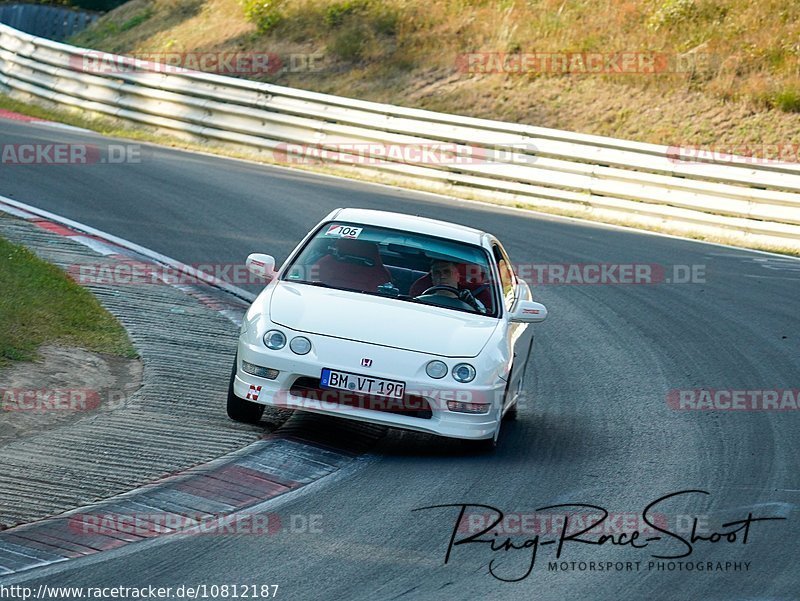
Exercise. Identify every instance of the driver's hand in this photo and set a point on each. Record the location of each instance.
(466, 296)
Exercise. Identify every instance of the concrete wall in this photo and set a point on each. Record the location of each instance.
(53, 22)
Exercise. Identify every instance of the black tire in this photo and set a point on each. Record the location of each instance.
(511, 414)
(485, 445)
(241, 410)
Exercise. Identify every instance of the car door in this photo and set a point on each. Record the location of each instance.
(520, 335)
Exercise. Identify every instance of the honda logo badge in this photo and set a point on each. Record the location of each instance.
(366, 362)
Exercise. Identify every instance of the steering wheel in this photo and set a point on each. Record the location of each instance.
(433, 289)
(444, 301)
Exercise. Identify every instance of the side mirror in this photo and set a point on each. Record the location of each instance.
(528, 312)
(260, 265)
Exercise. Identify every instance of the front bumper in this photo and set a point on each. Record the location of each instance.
(392, 364)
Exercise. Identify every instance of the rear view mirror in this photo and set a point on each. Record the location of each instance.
(260, 265)
(529, 312)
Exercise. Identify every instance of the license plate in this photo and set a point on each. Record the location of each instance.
(343, 380)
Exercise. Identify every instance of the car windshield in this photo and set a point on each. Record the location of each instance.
(405, 266)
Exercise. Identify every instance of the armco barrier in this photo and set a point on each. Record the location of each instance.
(638, 183)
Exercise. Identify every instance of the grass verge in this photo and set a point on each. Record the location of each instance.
(41, 304)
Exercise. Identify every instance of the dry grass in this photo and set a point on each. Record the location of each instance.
(744, 86)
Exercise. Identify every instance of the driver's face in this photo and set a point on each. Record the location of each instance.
(444, 274)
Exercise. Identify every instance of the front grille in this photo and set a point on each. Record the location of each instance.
(411, 405)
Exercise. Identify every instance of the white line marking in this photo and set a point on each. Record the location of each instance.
(146, 252)
(58, 125)
(96, 245)
(18, 213)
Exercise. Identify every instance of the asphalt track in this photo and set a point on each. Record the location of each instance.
(595, 428)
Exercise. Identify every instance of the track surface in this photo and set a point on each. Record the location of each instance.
(598, 431)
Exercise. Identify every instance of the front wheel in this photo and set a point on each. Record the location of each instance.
(485, 445)
(511, 413)
(241, 410)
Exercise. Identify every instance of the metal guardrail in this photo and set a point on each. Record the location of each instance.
(52, 22)
(642, 184)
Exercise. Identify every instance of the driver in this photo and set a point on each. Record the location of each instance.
(445, 273)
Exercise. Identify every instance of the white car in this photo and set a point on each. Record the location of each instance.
(390, 319)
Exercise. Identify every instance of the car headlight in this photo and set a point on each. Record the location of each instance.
(464, 372)
(274, 340)
(300, 345)
(436, 369)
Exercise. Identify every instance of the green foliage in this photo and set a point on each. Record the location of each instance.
(787, 101)
(41, 304)
(136, 20)
(349, 44)
(672, 14)
(337, 12)
(95, 35)
(357, 25)
(385, 20)
(264, 14)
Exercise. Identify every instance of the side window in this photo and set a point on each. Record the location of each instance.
(506, 275)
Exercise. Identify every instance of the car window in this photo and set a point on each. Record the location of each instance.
(507, 279)
(397, 264)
